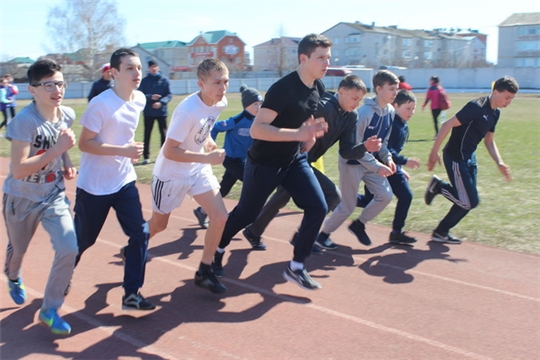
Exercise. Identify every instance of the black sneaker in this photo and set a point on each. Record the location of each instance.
(324, 242)
(202, 218)
(136, 302)
(401, 238)
(359, 229)
(301, 278)
(433, 189)
(448, 239)
(208, 280)
(255, 241)
(123, 253)
(217, 264)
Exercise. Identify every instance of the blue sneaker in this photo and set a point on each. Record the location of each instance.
(17, 291)
(50, 319)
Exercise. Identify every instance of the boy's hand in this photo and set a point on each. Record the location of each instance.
(134, 150)
(312, 128)
(216, 157)
(70, 172)
(210, 145)
(307, 145)
(156, 97)
(392, 165)
(407, 176)
(413, 163)
(66, 140)
(385, 171)
(434, 158)
(505, 170)
(373, 144)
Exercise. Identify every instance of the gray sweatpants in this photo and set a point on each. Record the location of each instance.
(22, 217)
(350, 177)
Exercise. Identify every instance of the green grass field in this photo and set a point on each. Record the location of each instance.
(508, 213)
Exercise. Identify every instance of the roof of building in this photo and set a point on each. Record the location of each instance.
(22, 60)
(213, 37)
(522, 19)
(161, 44)
(287, 39)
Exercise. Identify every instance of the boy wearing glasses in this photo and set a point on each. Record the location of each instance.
(107, 177)
(34, 189)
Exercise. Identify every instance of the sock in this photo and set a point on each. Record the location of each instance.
(220, 250)
(323, 235)
(295, 265)
(202, 210)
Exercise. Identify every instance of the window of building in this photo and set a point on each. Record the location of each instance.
(528, 45)
(406, 54)
(406, 42)
(428, 55)
(527, 62)
(336, 41)
(428, 43)
(352, 39)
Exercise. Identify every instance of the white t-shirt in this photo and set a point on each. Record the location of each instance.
(115, 121)
(191, 123)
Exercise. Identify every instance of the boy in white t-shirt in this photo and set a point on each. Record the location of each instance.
(183, 165)
(107, 177)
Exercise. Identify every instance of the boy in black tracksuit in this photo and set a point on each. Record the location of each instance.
(405, 104)
(339, 111)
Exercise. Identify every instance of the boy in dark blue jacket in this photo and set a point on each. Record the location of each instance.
(404, 104)
(237, 143)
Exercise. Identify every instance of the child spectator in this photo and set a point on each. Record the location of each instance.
(237, 143)
(374, 118)
(403, 85)
(433, 95)
(183, 164)
(404, 104)
(34, 190)
(105, 82)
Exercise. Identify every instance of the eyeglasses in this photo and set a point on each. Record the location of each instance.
(51, 86)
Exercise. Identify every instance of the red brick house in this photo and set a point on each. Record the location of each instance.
(222, 44)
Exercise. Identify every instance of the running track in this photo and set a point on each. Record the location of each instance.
(430, 301)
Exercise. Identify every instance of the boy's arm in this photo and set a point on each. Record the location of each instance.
(262, 128)
(22, 165)
(443, 133)
(69, 170)
(89, 144)
(173, 151)
(493, 151)
(221, 126)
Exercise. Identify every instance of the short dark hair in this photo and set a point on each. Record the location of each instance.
(435, 79)
(507, 83)
(42, 69)
(310, 42)
(404, 97)
(351, 81)
(401, 78)
(209, 64)
(382, 77)
(116, 57)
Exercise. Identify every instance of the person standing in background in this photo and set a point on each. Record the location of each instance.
(157, 90)
(433, 94)
(104, 83)
(11, 93)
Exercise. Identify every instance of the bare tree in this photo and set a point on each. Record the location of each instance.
(86, 27)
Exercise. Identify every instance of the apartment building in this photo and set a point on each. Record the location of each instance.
(519, 41)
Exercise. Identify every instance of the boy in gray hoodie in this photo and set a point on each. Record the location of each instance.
(374, 118)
